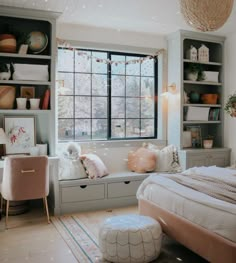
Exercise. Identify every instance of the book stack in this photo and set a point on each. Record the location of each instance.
(214, 114)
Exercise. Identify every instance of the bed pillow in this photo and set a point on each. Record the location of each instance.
(94, 166)
(71, 169)
(141, 161)
(167, 158)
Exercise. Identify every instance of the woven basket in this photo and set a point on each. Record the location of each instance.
(206, 15)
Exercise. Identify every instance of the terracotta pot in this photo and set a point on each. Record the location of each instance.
(209, 98)
(7, 97)
(7, 43)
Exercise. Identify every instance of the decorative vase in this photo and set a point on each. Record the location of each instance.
(21, 103)
(7, 43)
(209, 98)
(34, 104)
(194, 97)
(7, 97)
(207, 144)
(193, 76)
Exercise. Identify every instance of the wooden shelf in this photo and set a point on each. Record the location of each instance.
(202, 105)
(202, 83)
(25, 82)
(16, 111)
(29, 56)
(204, 63)
(201, 122)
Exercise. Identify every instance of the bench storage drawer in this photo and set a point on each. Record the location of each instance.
(122, 189)
(83, 193)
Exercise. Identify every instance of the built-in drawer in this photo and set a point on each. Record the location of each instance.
(82, 193)
(122, 189)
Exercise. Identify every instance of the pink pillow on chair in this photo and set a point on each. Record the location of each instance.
(94, 166)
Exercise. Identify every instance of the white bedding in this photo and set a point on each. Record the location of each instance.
(208, 212)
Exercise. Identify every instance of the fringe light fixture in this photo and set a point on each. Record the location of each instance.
(206, 15)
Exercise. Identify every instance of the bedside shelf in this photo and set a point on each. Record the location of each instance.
(202, 105)
(203, 63)
(202, 83)
(16, 111)
(25, 56)
(25, 82)
(200, 122)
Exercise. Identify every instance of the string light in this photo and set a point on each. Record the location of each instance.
(65, 44)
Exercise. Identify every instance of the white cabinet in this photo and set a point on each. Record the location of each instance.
(201, 157)
(22, 22)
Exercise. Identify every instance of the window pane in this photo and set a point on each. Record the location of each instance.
(118, 68)
(83, 129)
(99, 84)
(132, 69)
(147, 67)
(117, 107)
(133, 128)
(117, 128)
(99, 106)
(65, 83)
(147, 87)
(82, 84)
(147, 107)
(65, 129)
(82, 62)
(65, 60)
(147, 128)
(99, 67)
(65, 106)
(132, 108)
(99, 129)
(133, 86)
(117, 86)
(82, 107)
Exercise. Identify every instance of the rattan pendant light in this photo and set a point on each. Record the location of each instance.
(206, 15)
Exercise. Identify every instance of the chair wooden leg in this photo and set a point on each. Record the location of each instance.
(46, 206)
(1, 211)
(7, 209)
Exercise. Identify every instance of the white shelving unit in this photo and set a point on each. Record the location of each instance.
(24, 21)
(178, 62)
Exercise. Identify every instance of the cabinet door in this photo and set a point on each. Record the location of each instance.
(197, 160)
(218, 159)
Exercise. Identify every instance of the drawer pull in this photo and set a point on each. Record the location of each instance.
(83, 186)
(27, 171)
(126, 182)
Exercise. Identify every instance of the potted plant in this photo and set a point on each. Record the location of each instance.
(193, 72)
(208, 142)
(5, 72)
(230, 106)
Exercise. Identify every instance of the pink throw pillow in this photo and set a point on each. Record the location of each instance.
(94, 166)
(142, 161)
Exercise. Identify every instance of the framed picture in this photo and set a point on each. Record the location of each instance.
(20, 131)
(196, 137)
(27, 92)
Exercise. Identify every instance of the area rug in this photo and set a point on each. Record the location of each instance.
(84, 243)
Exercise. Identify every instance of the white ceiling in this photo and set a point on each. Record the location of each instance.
(149, 16)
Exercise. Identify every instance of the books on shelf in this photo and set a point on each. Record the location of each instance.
(214, 114)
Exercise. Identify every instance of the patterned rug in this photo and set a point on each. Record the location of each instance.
(84, 243)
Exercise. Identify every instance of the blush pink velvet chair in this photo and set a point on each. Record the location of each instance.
(25, 178)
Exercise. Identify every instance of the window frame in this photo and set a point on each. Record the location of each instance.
(109, 97)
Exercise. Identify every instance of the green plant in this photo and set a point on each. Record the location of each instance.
(3, 67)
(209, 137)
(230, 106)
(196, 68)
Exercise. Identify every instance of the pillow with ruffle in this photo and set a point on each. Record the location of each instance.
(142, 160)
(94, 166)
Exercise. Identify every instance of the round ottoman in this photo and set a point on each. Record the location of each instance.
(130, 238)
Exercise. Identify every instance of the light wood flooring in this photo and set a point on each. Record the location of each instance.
(30, 239)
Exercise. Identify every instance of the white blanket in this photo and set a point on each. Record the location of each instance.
(161, 180)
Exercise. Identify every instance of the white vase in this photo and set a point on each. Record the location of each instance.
(193, 76)
(34, 104)
(21, 103)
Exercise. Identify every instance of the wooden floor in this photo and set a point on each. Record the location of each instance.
(31, 239)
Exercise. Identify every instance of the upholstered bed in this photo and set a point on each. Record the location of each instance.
(201, 222)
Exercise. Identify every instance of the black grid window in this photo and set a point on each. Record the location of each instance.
(100, 101)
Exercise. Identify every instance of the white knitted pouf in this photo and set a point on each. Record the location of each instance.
(130, 238)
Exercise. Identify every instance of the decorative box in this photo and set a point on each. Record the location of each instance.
(197, 114)
(212, 76)
(30, 72)
(203, 54)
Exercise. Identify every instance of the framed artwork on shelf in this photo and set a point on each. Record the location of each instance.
(21, 134)
(27, 92)
(196, 137)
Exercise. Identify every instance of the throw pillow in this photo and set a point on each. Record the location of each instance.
(94, 166)
(168, 160)
(71, 169)
(141, 161)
